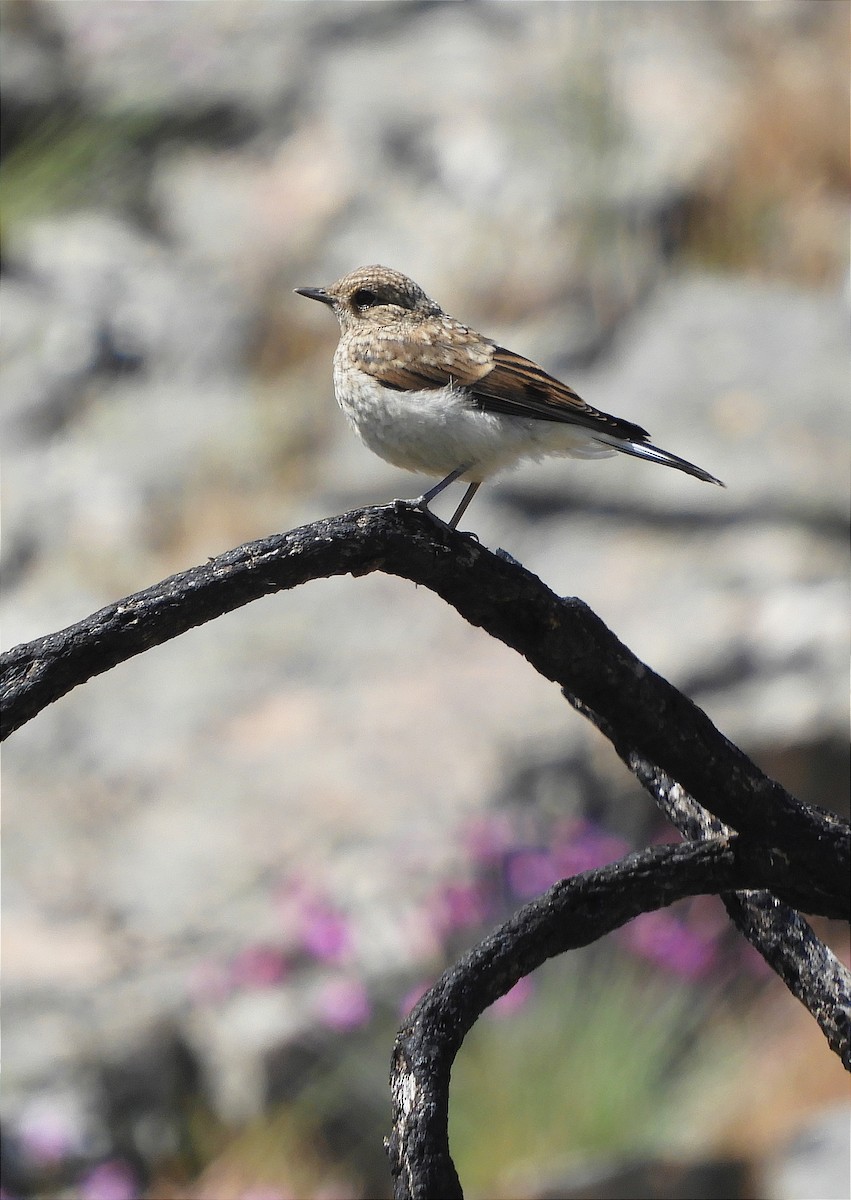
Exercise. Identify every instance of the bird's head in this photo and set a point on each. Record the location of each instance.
(372, 296)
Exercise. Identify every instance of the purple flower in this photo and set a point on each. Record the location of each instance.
(325, 932)
(514, 999)
(487, 839)
(412, 997)
(662, 939)
(112, 1180)
(458, 906)
(343, 1004)
(584, 847)
(259, 967)
(48, 1133)
(530, 872)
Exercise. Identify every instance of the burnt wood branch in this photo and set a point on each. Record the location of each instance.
(561, 637)
(808, 967)
(573, 913)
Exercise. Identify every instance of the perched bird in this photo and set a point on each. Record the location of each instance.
(429, 394)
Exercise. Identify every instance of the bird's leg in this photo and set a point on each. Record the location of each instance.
(426, 498)
(462, 507)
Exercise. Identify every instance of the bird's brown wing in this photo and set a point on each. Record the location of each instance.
(521, 388)
(435, 352)
(497, 380)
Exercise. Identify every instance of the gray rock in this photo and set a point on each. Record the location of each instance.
(107, 337)
(814, 1164)
(182, 59)
(35, 78)
(173, 314)
(747, 379)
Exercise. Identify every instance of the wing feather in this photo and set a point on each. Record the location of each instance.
(496, 380)
(521, 388)
(500, 381)
(430, 354)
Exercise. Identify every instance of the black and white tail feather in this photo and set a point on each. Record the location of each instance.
(646, 450)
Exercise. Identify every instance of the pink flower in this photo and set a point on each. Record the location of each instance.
(584, 847)
(487, 839)
(457, 906)
(113, 1180)
(530, 872)
(325, 933)
(514, 999)
(662, 939)
(259, 967)
(48, 1133)
(343, 1004)
(412, 997)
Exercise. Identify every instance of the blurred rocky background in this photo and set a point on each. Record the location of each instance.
(230, 861)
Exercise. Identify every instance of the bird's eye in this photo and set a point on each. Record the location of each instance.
(364, 298)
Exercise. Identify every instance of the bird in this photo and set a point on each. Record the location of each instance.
(427, 393)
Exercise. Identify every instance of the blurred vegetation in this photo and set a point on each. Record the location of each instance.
(280, 1154)
(778, 202)
(74, 159)
(604, 1057)
(607, 1059)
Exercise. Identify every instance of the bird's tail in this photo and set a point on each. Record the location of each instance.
(656, 454)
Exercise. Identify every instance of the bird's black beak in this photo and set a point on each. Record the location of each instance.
(315, 294)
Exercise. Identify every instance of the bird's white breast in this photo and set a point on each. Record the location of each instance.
(437, 430)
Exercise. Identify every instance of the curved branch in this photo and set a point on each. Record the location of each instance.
(810, 970)
(786, 853)
(562, 638)
(573, 913)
